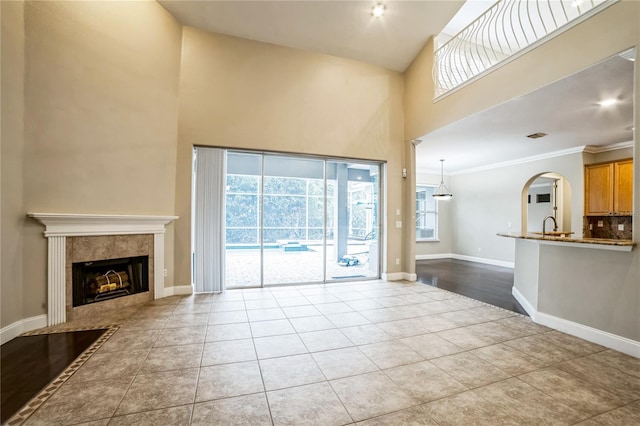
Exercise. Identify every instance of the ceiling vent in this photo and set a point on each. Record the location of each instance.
(536, 135)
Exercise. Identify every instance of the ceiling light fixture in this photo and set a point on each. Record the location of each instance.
(608, 102)
(378, 10)
(577, 3)
(442, 193)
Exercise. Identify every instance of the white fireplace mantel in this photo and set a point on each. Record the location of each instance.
(72, 225)
(58, 226)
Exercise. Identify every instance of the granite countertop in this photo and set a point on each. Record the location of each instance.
(602, 241)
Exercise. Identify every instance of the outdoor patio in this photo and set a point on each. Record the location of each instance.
(280, 267)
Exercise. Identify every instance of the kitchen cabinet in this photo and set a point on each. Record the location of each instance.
(623, 187)
(608, 188)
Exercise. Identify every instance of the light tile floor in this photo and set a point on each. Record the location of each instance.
(371, 353)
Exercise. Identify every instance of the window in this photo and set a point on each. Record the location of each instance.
(426, 213)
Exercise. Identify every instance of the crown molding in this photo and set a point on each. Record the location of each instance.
(589, 149)
(595, 149)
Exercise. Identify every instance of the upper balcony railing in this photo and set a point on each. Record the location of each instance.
(505, 29)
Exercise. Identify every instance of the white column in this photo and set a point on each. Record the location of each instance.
(158, 265)
(56, 277)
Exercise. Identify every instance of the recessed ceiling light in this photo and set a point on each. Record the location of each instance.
(577, 3)
(378, 10)
(608, 102)
(537, 135)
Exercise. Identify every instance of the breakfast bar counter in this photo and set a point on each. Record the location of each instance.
(567, 239)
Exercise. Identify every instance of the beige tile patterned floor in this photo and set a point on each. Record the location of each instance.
(370, 353)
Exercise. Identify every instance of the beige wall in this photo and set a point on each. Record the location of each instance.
(12, 154)
(100, 129)
(238, 93)
(597, 288)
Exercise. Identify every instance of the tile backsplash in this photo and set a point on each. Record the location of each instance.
(609, 227)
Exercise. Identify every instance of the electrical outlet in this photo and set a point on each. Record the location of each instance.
(397, 212)
(600, 224)
(397, 261)
(166, 273)
(398, 224)
(621, 227)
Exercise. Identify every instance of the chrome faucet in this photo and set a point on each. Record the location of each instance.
(544, 222)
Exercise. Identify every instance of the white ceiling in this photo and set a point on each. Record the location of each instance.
(565, 110)
(339, 28)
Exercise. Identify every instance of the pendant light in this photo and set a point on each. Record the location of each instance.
(442, 193)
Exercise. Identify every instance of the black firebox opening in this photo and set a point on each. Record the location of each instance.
(107, 279)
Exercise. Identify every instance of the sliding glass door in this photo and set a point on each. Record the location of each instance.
(243, 220)
(298, 219)
(293, 222)
(352, 220)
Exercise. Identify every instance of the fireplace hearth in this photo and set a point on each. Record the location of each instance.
(101, 280)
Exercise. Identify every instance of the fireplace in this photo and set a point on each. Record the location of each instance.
(84, 238)
(101, 280)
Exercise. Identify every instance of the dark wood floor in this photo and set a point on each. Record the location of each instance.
(29, 363)
(487, 283)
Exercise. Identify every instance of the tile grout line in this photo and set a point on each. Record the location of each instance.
(255, 351)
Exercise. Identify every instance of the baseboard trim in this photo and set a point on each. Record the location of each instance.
(528, 307)
(22, 326)
(604, 338)
(434, 256)
(394, 276)
(409, 277)
(484, 260)
(178, 290)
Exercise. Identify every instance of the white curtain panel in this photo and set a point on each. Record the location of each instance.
(209, 219)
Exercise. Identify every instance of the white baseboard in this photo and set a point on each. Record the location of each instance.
(17, 328)
(394, 276)
(604, 338)
(434, 256)
(484, 260)
(178, 290)
(399, 276)
(409, 277)
(528, 307)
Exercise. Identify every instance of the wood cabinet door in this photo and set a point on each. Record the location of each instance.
(598, 184)
(623, 187)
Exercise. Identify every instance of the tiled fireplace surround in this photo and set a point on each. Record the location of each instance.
(81, 238)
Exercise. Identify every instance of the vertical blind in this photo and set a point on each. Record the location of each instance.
(209, 219)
